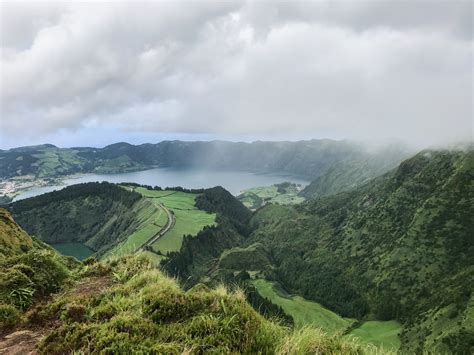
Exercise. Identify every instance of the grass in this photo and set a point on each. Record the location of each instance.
(140, 310)
(256, 197)
(189, 219)
(383, 334)
(78, 250)
(154, 258)
(151, 219)
(304, 312)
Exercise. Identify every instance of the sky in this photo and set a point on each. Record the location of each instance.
(91, 74)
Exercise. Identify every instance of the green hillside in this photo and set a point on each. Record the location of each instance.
(398, 248)
(111, 220)
(127, 305)
(303, 311)
(189, 219)
(13, 239)
(97, 215)
(29, 271)
(383, 334)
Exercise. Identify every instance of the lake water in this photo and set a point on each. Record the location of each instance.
(78, 250)
(233, 181)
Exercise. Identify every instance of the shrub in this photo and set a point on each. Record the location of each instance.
(9, 316)
(21, 297)
(47, 271)
(74, 312)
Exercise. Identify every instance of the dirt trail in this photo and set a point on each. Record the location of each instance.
(23, 341)
(20, 342)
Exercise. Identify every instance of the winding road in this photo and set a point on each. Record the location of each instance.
(169, 224)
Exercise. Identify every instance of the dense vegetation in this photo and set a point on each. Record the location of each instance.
(198, 253)
(399, 247)
(220, 201)
(13, 239)
(29, 270)
(126, 305)
(96, 214)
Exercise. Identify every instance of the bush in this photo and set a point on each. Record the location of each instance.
(28, 276)
(9, 316)
(74, 312)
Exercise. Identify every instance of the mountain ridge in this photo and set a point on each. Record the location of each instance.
(309, 158)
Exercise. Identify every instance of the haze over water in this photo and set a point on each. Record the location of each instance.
(233, 181)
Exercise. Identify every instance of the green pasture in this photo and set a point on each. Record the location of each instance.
(304, 312)
(383, 334)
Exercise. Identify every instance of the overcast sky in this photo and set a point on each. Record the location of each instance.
(93, 74)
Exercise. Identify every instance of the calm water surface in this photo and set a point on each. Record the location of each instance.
(233, 181)
(78, 250)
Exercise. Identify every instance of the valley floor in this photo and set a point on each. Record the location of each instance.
(382, 334)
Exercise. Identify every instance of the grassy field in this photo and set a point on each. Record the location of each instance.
(283, 194)
(189, 219)
(151, 219)
(383, 334)
(304, 312)
(78, 250)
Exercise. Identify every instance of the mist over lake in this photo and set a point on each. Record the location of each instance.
(233, 181)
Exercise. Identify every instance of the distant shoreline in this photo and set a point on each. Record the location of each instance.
(234, 181)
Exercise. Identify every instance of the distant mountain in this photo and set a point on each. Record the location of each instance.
(310, 159)
(399, 247)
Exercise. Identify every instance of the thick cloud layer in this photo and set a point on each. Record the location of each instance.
(361, 70)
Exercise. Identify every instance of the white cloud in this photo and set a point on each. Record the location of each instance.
(360, 70)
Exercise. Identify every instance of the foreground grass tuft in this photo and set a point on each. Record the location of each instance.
(144, 311)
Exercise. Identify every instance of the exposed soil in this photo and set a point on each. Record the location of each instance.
(91, 287)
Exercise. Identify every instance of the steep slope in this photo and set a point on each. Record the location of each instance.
(400, 247)
(95, 214)
(348, 174)
(128, 306)
(29, 271)
(13, 239)
(199, 253)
